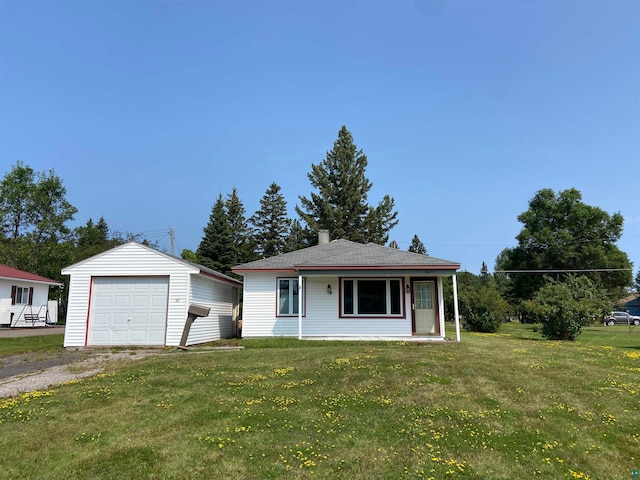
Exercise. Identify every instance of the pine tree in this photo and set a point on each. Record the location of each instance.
(393, 244)
(297, 238)
(417, 246)
(340, 204)
(216, 248)
(243, 242)
(271, 224)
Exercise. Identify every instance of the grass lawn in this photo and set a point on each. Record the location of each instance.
(500, 406)
(39, 343)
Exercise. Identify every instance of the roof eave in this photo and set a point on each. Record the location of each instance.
(27, 280)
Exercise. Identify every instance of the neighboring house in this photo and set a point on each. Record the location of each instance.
(135, 295)
(630, 304)
(347, 290)
(24, 299)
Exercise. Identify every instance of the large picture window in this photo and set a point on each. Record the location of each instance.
(287, 296)
(372, 297)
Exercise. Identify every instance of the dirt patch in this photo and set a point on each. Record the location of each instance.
(28, 372)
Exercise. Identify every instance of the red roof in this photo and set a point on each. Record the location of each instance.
(9, 272)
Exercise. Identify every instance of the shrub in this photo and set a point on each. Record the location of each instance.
(482, 309)
(563, 307)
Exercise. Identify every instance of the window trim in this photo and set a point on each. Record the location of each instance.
(304, 297)
(387, 280)
(23, 290)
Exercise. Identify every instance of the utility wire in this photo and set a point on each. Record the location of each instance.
(566, 270)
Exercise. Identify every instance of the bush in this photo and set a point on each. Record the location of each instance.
(482, 309)
(564, 307)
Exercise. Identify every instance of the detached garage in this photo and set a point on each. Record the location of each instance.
(135, 295)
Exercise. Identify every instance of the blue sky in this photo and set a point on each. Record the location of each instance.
(148, 110)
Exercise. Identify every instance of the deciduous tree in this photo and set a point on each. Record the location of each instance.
(34, 204)
(562, 233)
(34, 213)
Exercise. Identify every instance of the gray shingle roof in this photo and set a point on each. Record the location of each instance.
(343, 254)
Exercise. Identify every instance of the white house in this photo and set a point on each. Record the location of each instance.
(24, 299)
(135, 295)
(347, 290)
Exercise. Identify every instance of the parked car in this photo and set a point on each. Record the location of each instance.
(621, 317)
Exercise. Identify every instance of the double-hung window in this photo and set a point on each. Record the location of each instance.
(21, 295)
(287, 296)
(372, 297)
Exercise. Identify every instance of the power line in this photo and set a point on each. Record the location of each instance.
(566, 270)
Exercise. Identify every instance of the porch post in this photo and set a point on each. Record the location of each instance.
(455, 307)
(299, 306)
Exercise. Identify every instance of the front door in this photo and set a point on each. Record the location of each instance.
(424, 311)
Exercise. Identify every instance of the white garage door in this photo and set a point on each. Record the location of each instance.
(128, 311)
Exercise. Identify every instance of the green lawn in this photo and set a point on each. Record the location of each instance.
(40, 343)
(500, 406)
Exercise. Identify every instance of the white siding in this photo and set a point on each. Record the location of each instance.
(321, 319)
(186, 286)
(38, 305)
(218, 296)
(323, 316)
(259, 309)
(130, 260)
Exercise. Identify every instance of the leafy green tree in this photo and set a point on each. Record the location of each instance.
(216, 249)
(340, 204)
(482, 308)
(189, 255)
(271, 224)
(34, 205)
(393, 244)
(297, 238)
(417, 246)
(562, 233)
(636, 283)
(34, 213)
(563, 307)
(243, 242)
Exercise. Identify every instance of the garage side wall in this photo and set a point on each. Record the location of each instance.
(218, 296)
(129, 260)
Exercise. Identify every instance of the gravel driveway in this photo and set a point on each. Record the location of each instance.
(38, 371)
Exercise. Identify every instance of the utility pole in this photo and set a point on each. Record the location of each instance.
(173, 239)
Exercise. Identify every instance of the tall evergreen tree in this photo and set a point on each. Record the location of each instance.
(636, 283)
(296, 239)
(92, 239)
(417, 246)
(484, 270)
(393, 244)
(340, 204)
(243, 242)
(271, 224)
(216, 248)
